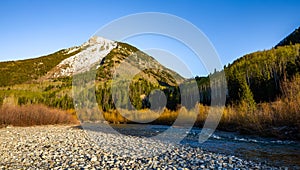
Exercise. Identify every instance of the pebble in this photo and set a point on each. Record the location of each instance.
(66, 147)
(94, 159)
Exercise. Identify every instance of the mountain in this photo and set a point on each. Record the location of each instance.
(97, 51)
(48, 79)
(293, 38)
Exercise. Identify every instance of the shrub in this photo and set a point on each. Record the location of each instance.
(29, 115)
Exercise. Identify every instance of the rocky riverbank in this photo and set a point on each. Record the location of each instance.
(61, 147)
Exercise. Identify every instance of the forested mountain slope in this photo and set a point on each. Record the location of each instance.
(258, 77)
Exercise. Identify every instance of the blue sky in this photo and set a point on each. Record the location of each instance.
(34, 28)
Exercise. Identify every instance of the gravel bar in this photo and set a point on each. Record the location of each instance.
(66, 147)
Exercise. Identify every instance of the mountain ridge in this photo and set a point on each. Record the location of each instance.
(292, 39)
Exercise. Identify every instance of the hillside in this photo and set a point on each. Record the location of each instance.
(259, 76)
(263, 72)
(26, 71)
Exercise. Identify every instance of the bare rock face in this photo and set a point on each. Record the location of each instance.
(92, 52)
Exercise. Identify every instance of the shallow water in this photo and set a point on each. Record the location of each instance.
(271, 151)
(267, 150)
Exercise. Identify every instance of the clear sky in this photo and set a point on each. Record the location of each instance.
(31, 28)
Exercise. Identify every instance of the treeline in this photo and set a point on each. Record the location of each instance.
(136, 97)
(52, 95)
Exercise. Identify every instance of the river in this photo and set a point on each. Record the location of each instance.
(280, 153)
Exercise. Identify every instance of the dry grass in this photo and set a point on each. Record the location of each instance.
(277, 119)
(30, 115)
(283, 112)
(280, 118)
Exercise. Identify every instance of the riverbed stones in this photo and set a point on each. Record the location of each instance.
(65, 147)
